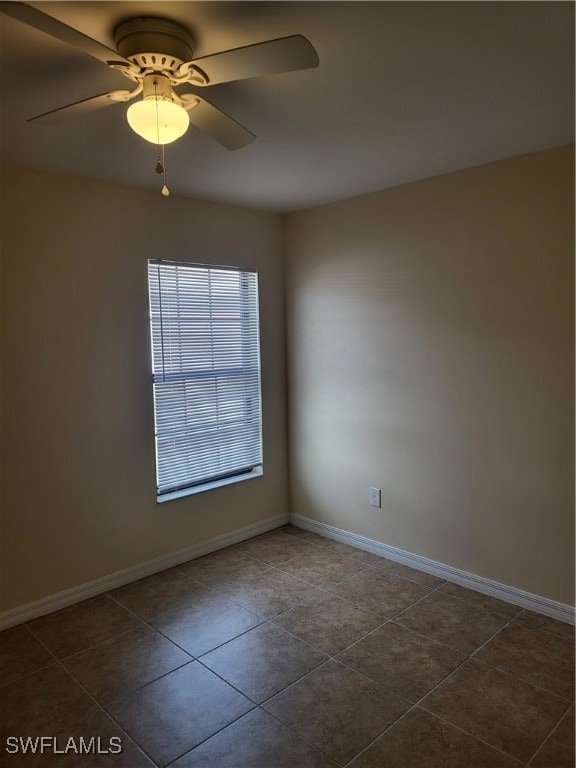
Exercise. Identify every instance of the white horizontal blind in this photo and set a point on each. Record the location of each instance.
(206, 365)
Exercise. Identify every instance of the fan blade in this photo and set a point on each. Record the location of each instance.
(75, 109)
(216, 123)
(285, 54)
(51, 26)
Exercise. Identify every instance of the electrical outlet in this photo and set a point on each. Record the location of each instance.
(375, 497)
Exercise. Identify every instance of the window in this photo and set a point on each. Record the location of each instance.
(206, 373)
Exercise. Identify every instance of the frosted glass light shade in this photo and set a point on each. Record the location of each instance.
(157, 120)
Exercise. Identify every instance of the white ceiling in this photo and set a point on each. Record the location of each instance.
(404, 91)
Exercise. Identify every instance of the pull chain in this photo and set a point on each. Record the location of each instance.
(165, 191)
(161, 164)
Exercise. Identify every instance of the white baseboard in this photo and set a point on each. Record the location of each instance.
(68, 597)
(543, 605)
(74, 595)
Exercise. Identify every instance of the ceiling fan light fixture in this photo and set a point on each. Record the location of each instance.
(157, 120)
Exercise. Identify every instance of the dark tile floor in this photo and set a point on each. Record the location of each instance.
(292, 651)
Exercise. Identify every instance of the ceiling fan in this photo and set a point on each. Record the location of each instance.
(156, 55)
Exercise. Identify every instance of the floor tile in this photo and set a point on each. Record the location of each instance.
(337, 709)
(293, 530)
(503, 711)
(381, 592)
(101, 739)
(369, 558)
(150, 598)
(82, 626)
(211, 622)
(42, 704)
(263, 617)
(20, 654)
(309, 536)
(257, 740)
(420, 740)
(274, 548)
(533, 655)
(357, 554)
(458, 624)
(480, 600)
(322, 568)
(415, 575)
(328, 622)
(176, 713)
(222, 567)
(545, 623)
(558, 751)
(270, 593)
(125, 663)
(263, 661)
(402, 660)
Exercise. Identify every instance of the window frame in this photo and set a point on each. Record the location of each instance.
(249, 346)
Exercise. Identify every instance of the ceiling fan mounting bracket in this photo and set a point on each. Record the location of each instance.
(157, 46)
(152, 34)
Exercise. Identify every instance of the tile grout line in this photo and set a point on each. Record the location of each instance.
(393, 618)
(330, 590)
(418, 703)
(384, 620)
(28, 674)
(133, 690)
(469, 658)
(102, 642)
(510, 674)
(72, 607)
(192, 657)
(170, 640)
(541, 629)
(257, 705)
(299, 735)
(541, 747)
(189, 751)
(337, 661)
(452, 672)
(473, 735)
(446, 581)
(522, 679)
(98, 705)
(427, 637)
(345, 648)
(367, 567)
(264, 618)
(51, 664)
(329, 550)
(268, 568)
(367, 747)
(438, 588)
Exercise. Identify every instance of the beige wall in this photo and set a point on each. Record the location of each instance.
(78, 485)
(430, 354)
(430, 337)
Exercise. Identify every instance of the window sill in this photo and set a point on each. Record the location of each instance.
(208, 486)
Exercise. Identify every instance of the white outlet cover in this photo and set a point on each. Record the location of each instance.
(375, 496)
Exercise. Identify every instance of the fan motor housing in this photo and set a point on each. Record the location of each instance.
(154, 43)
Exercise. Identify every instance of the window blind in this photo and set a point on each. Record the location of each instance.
(206, 372)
